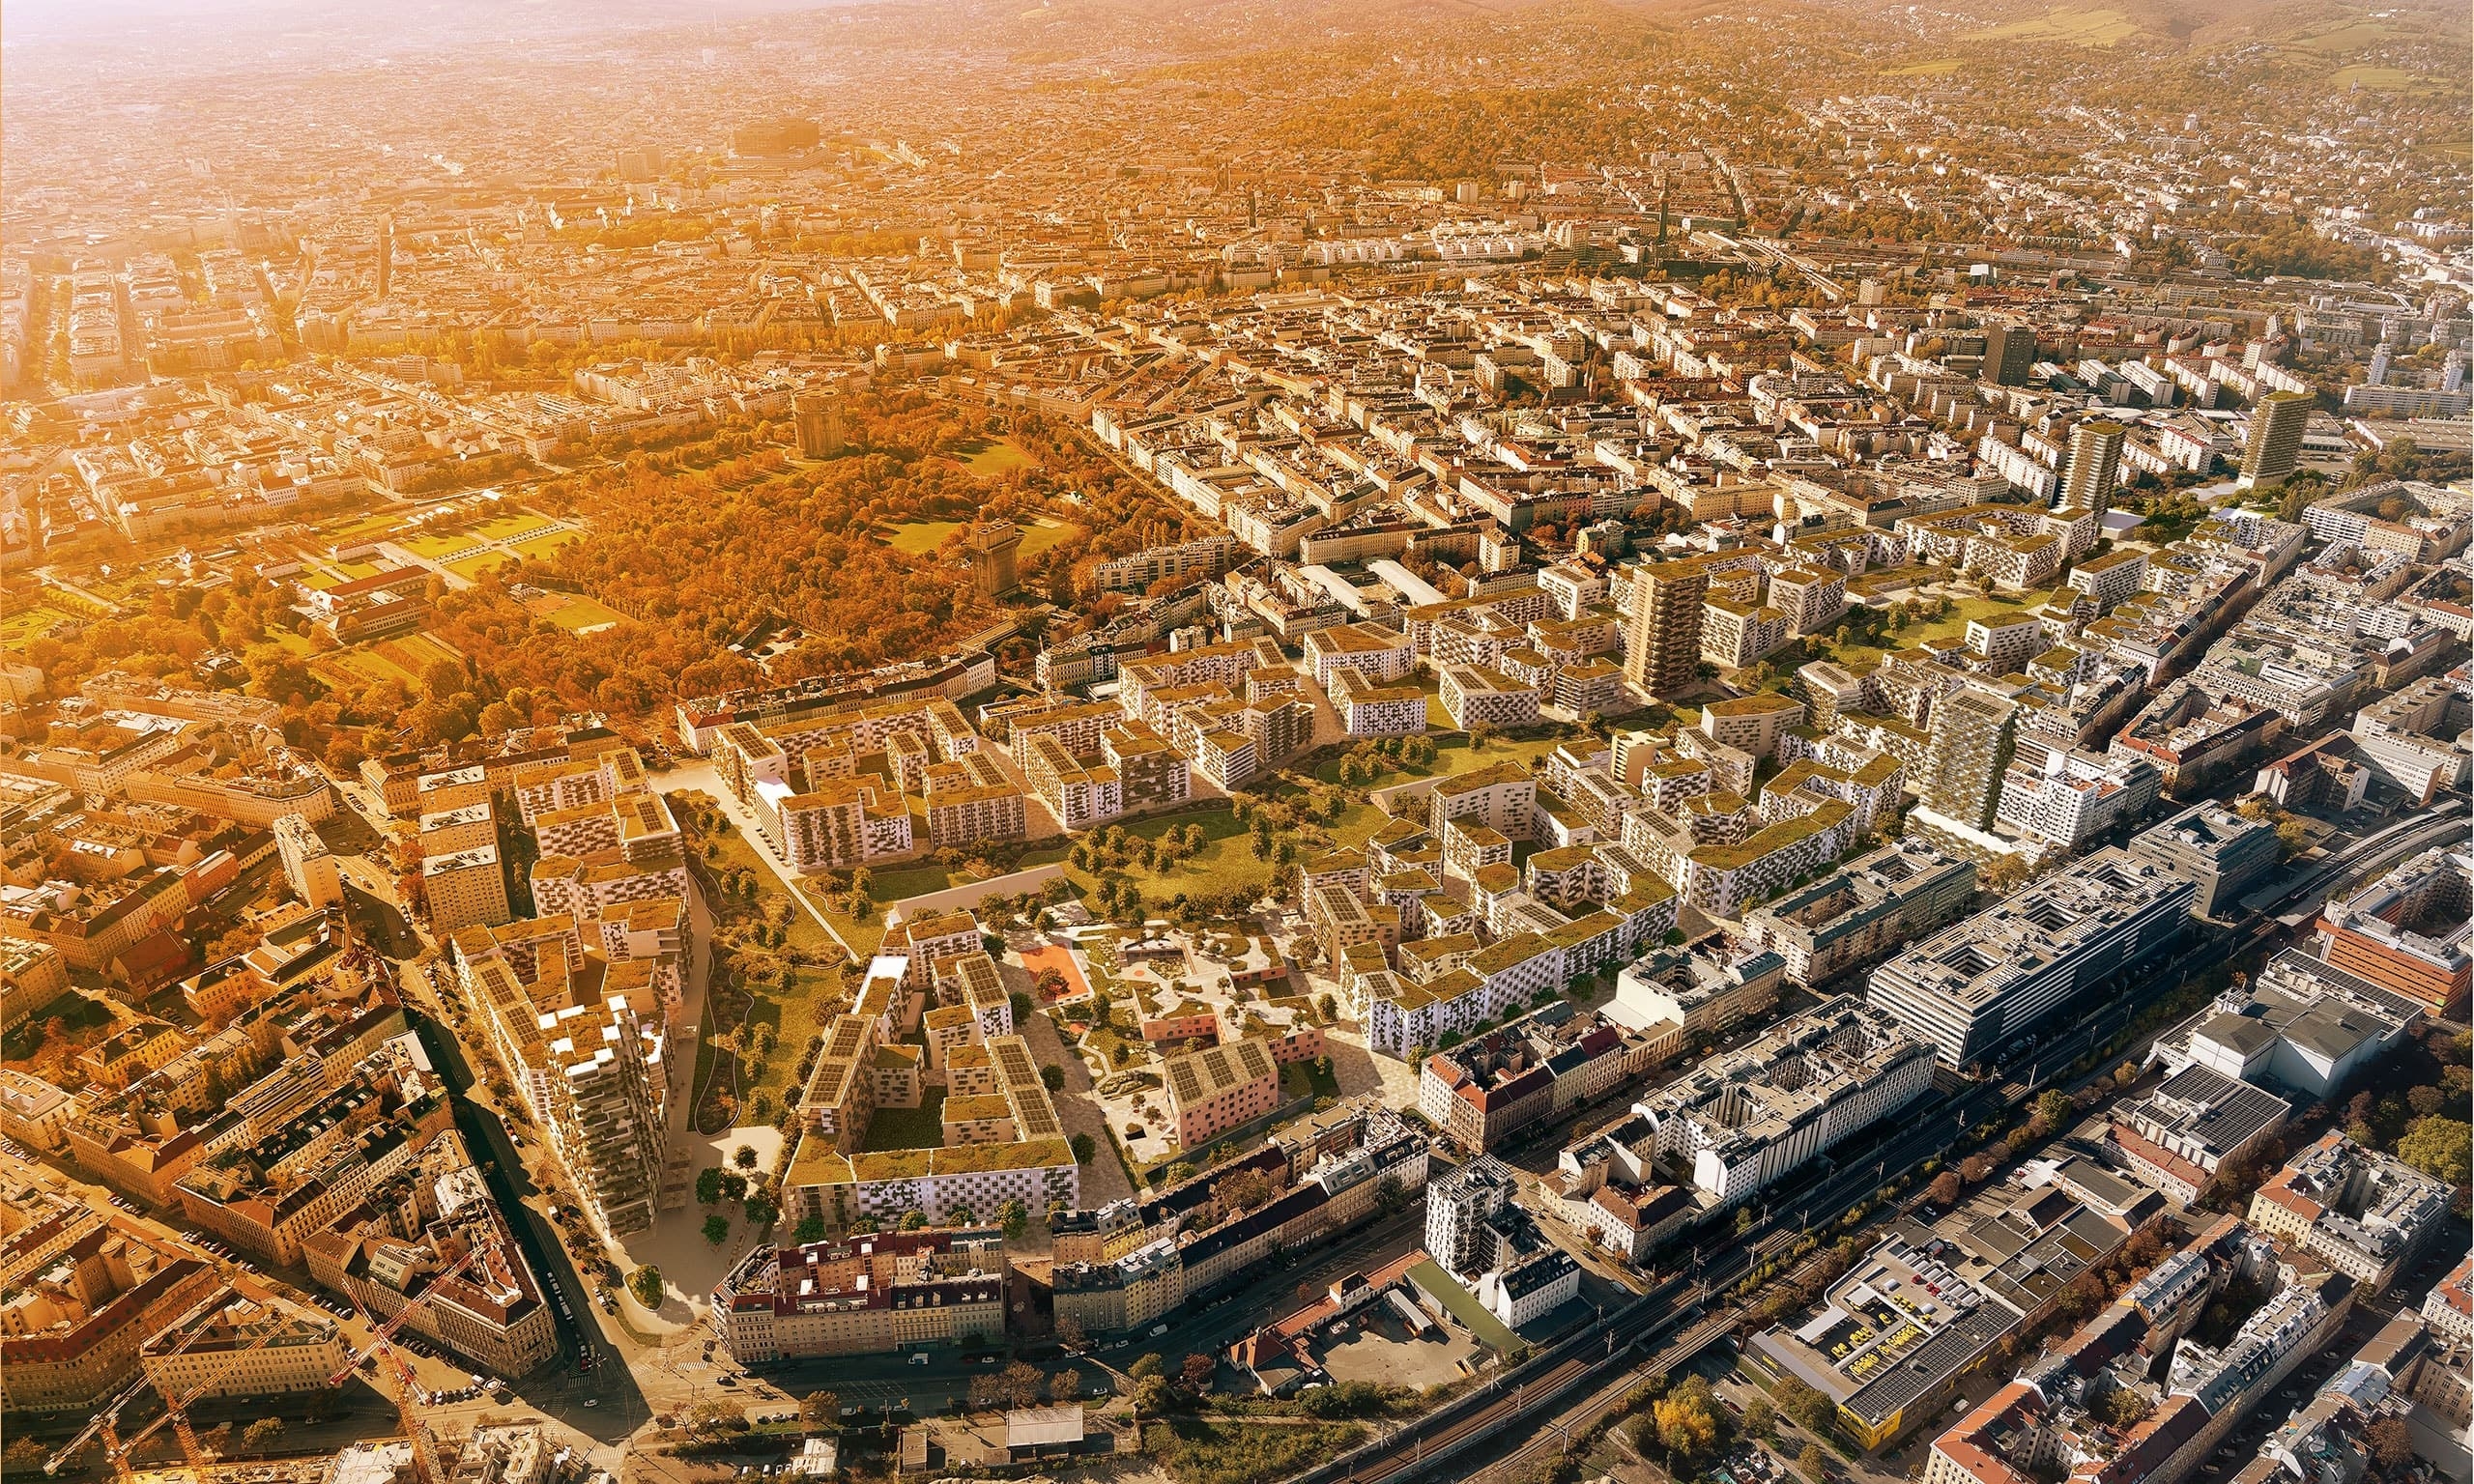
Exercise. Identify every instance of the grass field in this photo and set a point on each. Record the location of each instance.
(990, 459)
(917, 538)
(2068, 23)
(577, 613)
(2379, 79)
(433, 547)
(549, 541)
(2352, 38)
(1941, 67)
(1955, 626)
(1041, 535)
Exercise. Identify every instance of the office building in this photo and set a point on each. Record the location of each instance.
(2224, 854)
(1663, 651)
(1983, 985)
(2302, 1025)
(2274, 449)
(2009, 354)
(2410, 932)
(2195, 1124)
(2095, 470)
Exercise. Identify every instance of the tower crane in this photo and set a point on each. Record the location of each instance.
(106, 1423)
(402, 1385)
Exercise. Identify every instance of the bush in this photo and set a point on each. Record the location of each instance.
(1195, 1451)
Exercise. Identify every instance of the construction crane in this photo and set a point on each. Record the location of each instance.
(106, 1423)
(404, 1386)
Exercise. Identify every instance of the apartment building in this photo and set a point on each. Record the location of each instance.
(1218, 1088)
(1369, 709)
(308, 866)
(865, 1295)
(72, 1330)
(1662, 647)
(2369, 1215)
(237, 1346)
(1486, 1089)
(1736, 1124)
(1863, 909)
(1474, 694)
(464, 889)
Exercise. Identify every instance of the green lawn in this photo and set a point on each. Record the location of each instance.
(1042, 533)
(1195, 1450)
(1954, 627)
(795, 1014)
(1941, 67)
(579, 613)
(917, 538)
(433, 547)
(993, 458)
(919, 1127)
(2066, 23)
(1225, 862)
(1301, 1079)
(28, 624)
(540, 546)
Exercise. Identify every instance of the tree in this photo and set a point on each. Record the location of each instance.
(1977, 1169)
(709, 1185)
(2053, 1110)
(1196, 1372)
(1052, 1077)
(820, 1406)
(2392, 1444)
(23, 1453)
(646, 1284)
(1245, 1191)
(1946, 1187)
(261, 1435)
(2442, 1147)
(717, 1229)
(1804, 1403)
(760, 1210)
(1144, 1365)
(1686, 1428)
(1013, 1219)
(1152, 1395)
(1813, 1462)
(1070, 1333)
(1020, 1383)
(1760, 1419)
(810, 1230)
(2125, 1407)
(1084, 1147)
(744, 1156)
